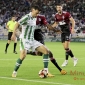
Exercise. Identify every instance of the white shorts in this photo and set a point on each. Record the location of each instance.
(29, 44)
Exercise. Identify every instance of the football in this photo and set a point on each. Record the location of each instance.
(43, 74)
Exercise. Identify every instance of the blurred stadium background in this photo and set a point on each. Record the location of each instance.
(22, 7)
(28, 73)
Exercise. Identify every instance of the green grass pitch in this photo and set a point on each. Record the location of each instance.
(28, 72)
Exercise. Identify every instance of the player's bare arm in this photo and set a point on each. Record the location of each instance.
(52, 28)
(56, 25)
(73, 24)
(49, 26)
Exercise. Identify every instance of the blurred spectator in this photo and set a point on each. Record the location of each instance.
(21, 7)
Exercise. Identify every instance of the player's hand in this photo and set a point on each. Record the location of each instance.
(13, 37)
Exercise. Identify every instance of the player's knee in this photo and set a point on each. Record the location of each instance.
(9, 41)
(50, 54)
(46, 51)
(22, 55)
(15, 40)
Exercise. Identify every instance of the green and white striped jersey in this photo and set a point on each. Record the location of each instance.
(28, 24)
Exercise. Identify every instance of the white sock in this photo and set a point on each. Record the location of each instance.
(14, 72)
(46, 69)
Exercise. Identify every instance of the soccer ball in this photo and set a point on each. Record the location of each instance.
(43, 74)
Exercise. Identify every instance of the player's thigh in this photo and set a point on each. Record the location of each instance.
(40, 47)
(67, 44)
(15, 41)
(67, 40)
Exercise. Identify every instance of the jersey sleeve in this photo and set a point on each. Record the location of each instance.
(44, 21)
(23, 20)
(68, 15)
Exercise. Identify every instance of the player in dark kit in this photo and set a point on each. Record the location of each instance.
(38, 35)
(63, 19)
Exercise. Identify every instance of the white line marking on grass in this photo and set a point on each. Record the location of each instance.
(37, 81)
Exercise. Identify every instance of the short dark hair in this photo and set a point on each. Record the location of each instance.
(36, 7)
(59, 4)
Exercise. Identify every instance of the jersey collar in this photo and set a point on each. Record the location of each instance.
(61, 13)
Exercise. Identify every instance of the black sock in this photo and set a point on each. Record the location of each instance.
(54, 61)
(15, 44)
(71, 54)
(67, 55)
(56, 64)
(6, 46)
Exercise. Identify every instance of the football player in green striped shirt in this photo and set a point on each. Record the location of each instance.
(27, 41)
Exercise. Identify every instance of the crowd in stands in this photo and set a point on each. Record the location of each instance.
(22, 7)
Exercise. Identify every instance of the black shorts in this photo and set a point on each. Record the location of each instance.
(65, 37)
(9, 35)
